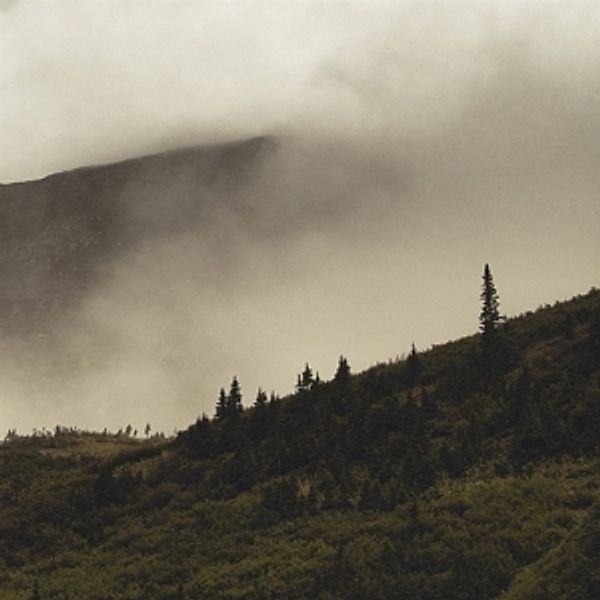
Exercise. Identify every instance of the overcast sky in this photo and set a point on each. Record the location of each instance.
(84, 81)
(88, 81)
(423, 139)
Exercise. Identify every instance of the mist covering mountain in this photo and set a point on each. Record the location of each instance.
(396, 153)
(61, 234)
(70, 241)
(148, 283)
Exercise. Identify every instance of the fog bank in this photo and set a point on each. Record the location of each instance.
(413, 144)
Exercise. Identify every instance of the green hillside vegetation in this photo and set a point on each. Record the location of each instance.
(470, 471)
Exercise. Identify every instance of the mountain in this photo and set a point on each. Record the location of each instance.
(61, 235)
(470, 471)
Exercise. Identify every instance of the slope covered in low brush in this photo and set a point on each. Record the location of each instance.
(446, 475)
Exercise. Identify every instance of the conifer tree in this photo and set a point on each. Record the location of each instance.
(234, 399)
(221, 410)
(305, 380)
(490, 305)
(259, 417)
(342, 374)
(413, 366)
(261, 398)
(493, 352)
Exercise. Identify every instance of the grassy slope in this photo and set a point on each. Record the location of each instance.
(479, 530)
(511, 509)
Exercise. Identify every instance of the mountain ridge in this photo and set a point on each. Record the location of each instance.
(265, 141)
(60, 233)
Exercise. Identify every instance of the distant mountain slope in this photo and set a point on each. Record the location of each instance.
(60, 234)
(436, 478)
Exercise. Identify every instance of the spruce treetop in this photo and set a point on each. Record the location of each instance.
(306, 379)
(342, 374)
(490, 304)
(234, 400)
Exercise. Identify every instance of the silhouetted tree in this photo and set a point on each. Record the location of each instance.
(492, 351)
(490, 306)
(413, 366)
(259, 417)
(221, 409)
(342, 374)
(306, 379)
(234, 399)
(229, 405)
(261, 398)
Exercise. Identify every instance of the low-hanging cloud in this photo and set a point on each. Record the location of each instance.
(411, 145)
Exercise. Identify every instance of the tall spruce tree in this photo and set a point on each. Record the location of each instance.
(493, 355)
(234, 399)
(221, 409)
(259, 417)
(490, 306)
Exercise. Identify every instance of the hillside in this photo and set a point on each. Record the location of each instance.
(61, 235)
(435, 477)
